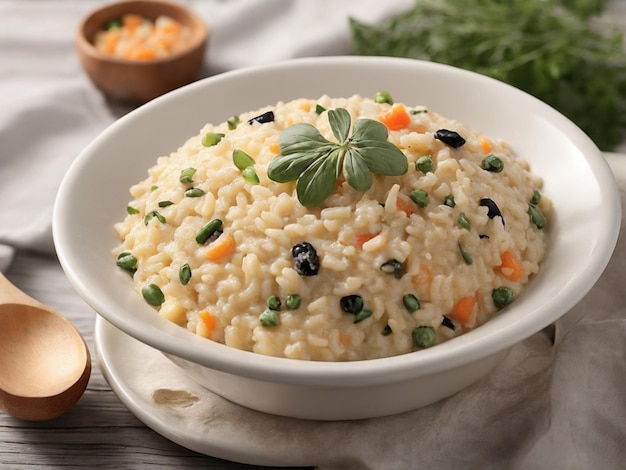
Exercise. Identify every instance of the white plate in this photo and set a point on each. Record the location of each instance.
(160, 395)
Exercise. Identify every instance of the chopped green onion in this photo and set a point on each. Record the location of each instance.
(411, 303)
(423, 336)
(184, 274)
(242, 160)
(151, 215)
(393, 266)
(165, 203)
(293, 301)
(233, 122)
(449, 201)
(131, 210)
(208, 230)
(502, 296)
(186, 176)
(153, 294)
(153, 188)
(424, 164)
(535, 198)
(418, 111)
(319, 109)
(351, 303)
(492, 163)
(386, 331)
(273, 302)
(249, 174)
(269, 318)
(465, 255)
(419, 197)
(362, 315)
(383, 97)
(194, 192)
(464, 221)
(212, 138)
(536, 217)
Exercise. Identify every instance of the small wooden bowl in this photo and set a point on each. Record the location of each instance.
(138, 81)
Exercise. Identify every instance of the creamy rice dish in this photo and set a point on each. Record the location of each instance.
(334, 229)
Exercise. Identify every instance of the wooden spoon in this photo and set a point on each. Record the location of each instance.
(44, 362)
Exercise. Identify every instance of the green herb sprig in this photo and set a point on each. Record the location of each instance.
(317, 163)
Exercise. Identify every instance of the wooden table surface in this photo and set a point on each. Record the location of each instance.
(99, 432)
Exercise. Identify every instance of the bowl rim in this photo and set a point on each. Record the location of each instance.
(451, 354)
(200, 34)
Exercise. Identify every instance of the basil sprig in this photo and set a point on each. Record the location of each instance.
(306, 156)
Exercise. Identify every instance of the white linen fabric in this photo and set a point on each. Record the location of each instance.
(549, 405)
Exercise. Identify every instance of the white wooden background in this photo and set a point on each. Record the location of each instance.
(99, 432)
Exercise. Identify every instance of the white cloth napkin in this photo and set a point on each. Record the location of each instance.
(546, 406)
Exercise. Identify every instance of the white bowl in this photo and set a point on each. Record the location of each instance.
(582, 236)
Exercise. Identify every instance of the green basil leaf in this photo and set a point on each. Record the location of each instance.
(301, 139)
(284, 168)
(339, 120)
(383, 158)
(317, 182)
(368, 129)
(356, 171)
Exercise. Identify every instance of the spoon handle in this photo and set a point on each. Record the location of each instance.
(9, 294)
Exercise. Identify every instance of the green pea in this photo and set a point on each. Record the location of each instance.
(211, 138)
(362, 315)
(411, 303)
(153, 294)
(383, 97)
(242, 160)
(464, 221)
(127, 261)
(152, 215)
(208, 230)
(502, 296)
(449, 201)
(184, 274)
(131, 210)
(536, 217)
(492, 163)
(233, 122)
(269, 318)
(249, 174)
(319, 109)
(419, 197)
(273, 302)
(423, 336)
(186, 176)
(424, 164)
(165, 203)
(194, 192)
(386, 331)
(293, 301)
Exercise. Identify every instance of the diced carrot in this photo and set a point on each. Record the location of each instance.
(144, 53)
(208, 322)
(511, 267)
(275, 148)
(362, 238)
(463, 309)
(344, 340)
(306, 106)
(221, 247)
(406, 207)
(131, 20)
(423, 277)
(396, 118)
(485, 145)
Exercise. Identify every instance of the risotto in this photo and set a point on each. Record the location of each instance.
(334, 229)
